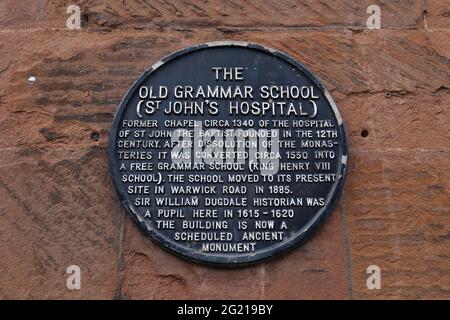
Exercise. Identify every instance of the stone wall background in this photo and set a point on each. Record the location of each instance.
(57, 203)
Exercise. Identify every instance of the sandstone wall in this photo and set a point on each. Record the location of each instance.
(57, 203)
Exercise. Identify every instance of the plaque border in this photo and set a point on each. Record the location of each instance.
(238, 259)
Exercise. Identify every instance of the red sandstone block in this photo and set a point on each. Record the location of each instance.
(149, 272)
(392, 120)
(315, 270)
(56, 211)
(397, 204)
(438, 15)
(79, 85)
(137, 14)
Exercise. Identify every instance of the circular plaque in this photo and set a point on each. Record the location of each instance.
(228, 153)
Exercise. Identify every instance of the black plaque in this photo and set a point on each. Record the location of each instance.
(228, 153)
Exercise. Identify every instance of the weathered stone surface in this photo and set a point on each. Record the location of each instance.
(398, 204)
(138, 14)
(57, 210)
(316, 270)
(251, 13)
(58, 206)
(397, 120)
(23, 14)
(437, 14)
(149, 272)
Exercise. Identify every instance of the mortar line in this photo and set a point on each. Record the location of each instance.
(120, 263)
(347, 259)
(263, 281)
(225, 29)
